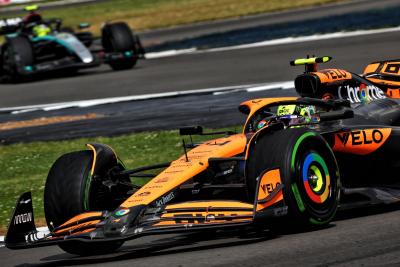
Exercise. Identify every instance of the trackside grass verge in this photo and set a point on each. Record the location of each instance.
(24, 167)
(150, 14)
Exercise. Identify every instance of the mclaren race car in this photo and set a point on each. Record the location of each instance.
(297, 159)
(35, 45)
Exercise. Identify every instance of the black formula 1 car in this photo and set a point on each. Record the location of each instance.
(35, 45)
(297, 159)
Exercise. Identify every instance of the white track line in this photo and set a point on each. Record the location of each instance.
(287, 40)
(111, 100)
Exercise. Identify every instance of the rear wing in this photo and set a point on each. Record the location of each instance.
(386, 75)
(10, 25)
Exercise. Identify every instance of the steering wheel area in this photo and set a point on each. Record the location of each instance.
(288, 114)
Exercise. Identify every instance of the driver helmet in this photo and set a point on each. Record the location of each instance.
(302, 111)
(41, 30)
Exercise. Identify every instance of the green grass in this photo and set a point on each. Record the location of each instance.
(24, 167)
(150, 14)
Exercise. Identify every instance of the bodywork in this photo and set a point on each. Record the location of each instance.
(205, 188)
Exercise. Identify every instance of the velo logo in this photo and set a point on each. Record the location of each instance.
(361, 142)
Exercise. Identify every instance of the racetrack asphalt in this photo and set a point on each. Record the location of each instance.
(361, 238)
(265, 64)
(203, 70)
(184, 72)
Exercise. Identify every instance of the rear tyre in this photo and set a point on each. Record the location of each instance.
(118, 37)
(17, 53)
(308, 169)
(69, 191)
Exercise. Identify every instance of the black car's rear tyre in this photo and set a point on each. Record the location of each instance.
(69, 191)
(308, 169)
(118, 37)
(17, 53)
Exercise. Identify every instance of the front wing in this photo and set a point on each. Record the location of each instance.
(99, 227)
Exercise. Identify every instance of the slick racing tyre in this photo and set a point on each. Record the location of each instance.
(118, 37)
(70, 190)
(17, 53)
(308, 169)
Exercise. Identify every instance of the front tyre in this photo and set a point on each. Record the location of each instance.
(308, 169)
(70, 190)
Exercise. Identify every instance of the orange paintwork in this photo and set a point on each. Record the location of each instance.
(185, 222)
(204, 214)
(269, 181)
(371, 68)
(181, 170)
(393, 93)
(211, 209)
(332, 75)
(391, 68)
(361, 142)
(67, 231)
(210, 204)
(82, 216)
(204, 217)
(384, 82)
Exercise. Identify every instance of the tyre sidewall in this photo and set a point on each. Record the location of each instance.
(299, 203)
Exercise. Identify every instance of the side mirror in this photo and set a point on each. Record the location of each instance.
(84, 25)
(191, 130)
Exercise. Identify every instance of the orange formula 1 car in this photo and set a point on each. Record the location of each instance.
(297, 158)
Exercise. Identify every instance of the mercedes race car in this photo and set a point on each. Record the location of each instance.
(297, 159)
(35, 45)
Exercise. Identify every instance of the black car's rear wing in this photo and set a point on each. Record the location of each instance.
(9, 25)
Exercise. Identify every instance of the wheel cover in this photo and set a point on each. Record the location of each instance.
(316, 178)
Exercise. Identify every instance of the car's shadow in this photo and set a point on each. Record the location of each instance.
(170, 244)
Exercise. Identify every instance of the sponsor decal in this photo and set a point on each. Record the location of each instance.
(23, 218)
(161, 180)
(278, 212)
(360, 94)
(143, 194)
(153, 186)
(217, 144)
(210, 217)
(25, 201)
(268, 188)
(269, 181)
(361, 142)
(360, 137)
(165, 199)
(121, 212)
(335, 74)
